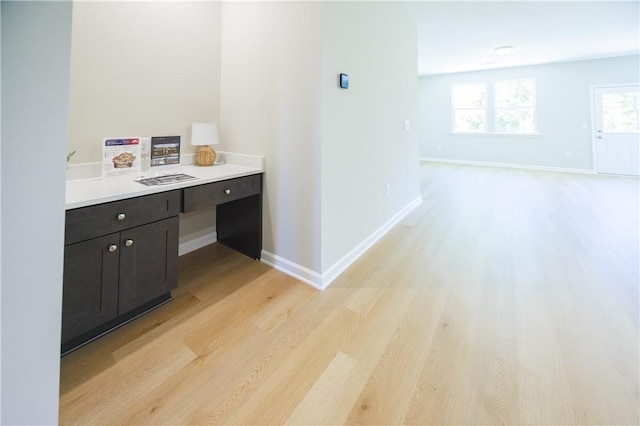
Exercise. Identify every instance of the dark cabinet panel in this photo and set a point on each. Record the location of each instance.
(90, 285)
(238, 212)
(94, 221)
(239, 225)
(148, 263)
(211, 194)
(121, 258)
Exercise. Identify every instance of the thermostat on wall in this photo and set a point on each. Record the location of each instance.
(344, 81)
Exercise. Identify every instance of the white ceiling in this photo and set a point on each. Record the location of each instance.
(456, 36)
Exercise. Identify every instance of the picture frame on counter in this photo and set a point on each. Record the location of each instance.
(120, 156)
(165, 151)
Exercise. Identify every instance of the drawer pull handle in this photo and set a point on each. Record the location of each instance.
(121, 216)
(113, 248)
(227, 191)
(128, 243)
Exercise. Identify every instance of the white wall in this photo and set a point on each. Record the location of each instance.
(36, 40)
(142, 69)
(270, 106)
(563, 106)
(275, 76)
(329, 152)
(364, 141)
(263, 70)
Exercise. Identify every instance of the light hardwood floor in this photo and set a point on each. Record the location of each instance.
(507, 297)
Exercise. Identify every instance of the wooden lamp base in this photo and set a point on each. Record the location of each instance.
(205, 156)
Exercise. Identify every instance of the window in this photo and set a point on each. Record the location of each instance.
(506, 107)
(621, 112)
(514, 106)
(470, 107)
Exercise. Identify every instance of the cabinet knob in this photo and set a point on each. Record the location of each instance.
(121, 216)
(227, 191)
(128, 243)
(113, 248)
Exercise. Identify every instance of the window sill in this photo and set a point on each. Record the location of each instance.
(508, 135)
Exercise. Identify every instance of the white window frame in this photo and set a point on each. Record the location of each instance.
(454, 108)
(532, 107)
(491, 110)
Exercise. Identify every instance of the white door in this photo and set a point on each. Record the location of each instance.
(617, 129)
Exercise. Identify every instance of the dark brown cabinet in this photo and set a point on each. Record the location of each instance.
(110, 279)
(90, 289)
(216, 193)
(148, 263)
(121, 257)
(238, 211)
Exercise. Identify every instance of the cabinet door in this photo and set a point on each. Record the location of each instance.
(148, 263)
(90, 285)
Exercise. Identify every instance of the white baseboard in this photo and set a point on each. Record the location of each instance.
(197, 240)
(322, 281)
(339, 267)
(509, 165)
(194, 241)
(299, 272)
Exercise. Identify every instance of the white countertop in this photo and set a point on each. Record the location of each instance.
(87, 192)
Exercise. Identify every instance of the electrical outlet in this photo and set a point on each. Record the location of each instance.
(407, 125)
(388, 188)
(439, 147)
(568, 154)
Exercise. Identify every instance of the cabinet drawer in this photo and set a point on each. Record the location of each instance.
(211, 194)
(93, 221)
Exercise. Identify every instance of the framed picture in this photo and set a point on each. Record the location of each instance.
(120, 156)
(165, 151)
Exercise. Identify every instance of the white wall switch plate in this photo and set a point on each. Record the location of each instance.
(145, 144)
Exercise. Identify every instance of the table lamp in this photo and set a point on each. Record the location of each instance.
(203, 135)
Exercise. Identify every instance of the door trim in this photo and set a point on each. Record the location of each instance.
(592, 97)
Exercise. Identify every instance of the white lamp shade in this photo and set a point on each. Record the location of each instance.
(204, 134)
